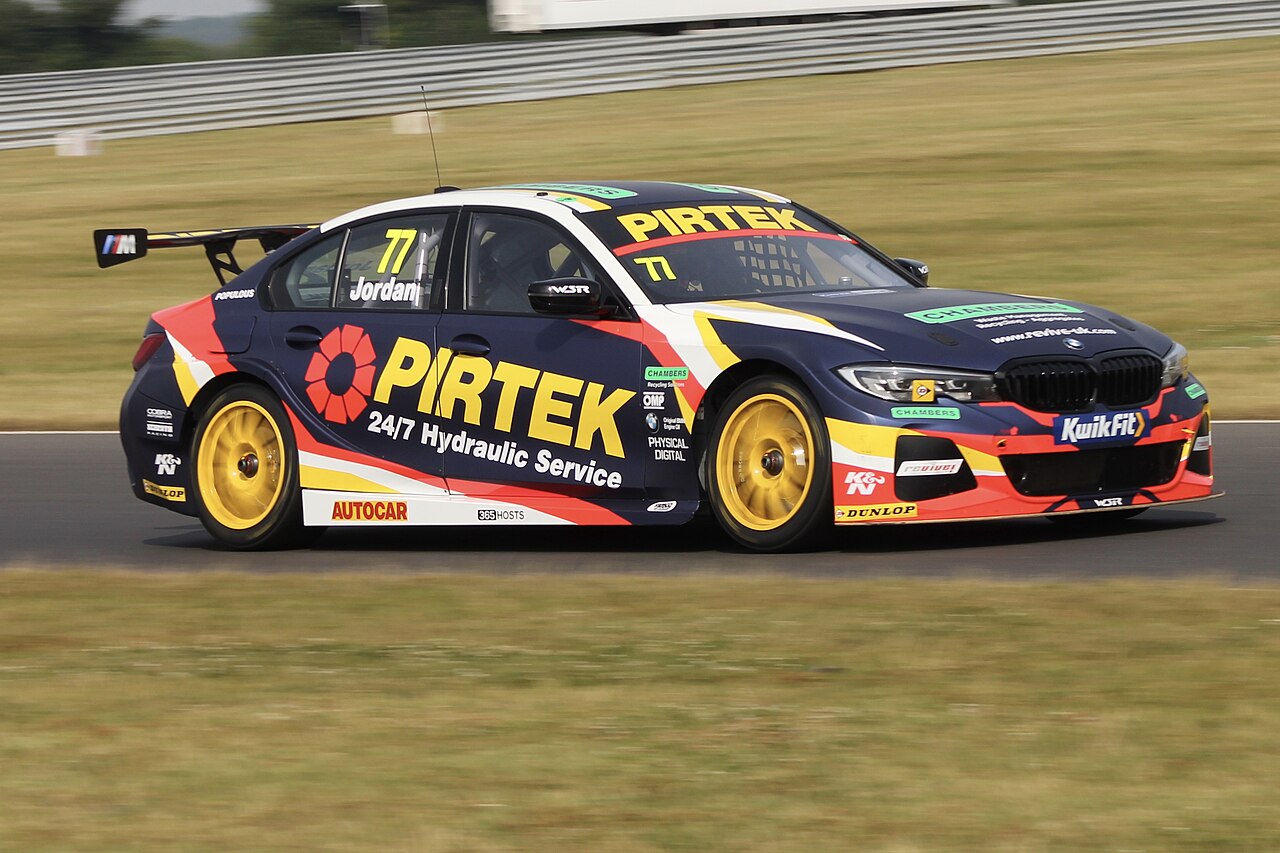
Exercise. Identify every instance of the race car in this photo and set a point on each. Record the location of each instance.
(633, 353)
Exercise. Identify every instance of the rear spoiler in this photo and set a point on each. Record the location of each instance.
(117, 245)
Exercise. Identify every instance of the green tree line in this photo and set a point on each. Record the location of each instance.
(72, 34)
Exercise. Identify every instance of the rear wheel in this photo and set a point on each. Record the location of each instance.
(246, 471)
(768, 466)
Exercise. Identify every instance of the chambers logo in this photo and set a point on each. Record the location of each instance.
(990, 309)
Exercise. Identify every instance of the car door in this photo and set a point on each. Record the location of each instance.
(354, 318)
(533, 405)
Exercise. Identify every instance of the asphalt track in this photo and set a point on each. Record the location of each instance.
(65, 502)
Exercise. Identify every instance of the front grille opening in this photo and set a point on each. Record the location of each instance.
(1085, 472)
(1051, 386)
(1129, 380)
(1120, 380)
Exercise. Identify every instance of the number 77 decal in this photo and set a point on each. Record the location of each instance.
(395, 235)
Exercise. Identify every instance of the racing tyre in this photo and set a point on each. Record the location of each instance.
(768, 467)
(246, 471)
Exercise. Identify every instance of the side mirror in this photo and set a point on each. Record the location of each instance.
(919, 269)
(570, 295)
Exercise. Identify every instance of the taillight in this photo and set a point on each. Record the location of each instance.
(146, 349)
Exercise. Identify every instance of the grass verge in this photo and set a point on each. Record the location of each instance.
(1147, 180)
(375, 712)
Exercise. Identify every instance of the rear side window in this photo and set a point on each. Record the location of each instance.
(306, 281)
(389, 264)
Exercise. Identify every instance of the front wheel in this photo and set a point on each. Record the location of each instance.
(246, 471)
(768, 466)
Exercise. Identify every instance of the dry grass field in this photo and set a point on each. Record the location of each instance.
(1148, 180)
(220, 712)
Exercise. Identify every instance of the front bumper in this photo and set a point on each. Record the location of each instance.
(934, 472)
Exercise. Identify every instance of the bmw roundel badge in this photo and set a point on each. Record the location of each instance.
(1072, 343)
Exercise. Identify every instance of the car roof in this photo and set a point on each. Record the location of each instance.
(580, 197)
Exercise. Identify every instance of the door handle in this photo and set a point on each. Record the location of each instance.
(470, 345)
(302, 337)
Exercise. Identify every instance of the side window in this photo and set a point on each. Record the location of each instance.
(389, 264)
(306, 281)
(507, 253)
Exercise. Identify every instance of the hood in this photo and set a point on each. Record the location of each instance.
(971, 329)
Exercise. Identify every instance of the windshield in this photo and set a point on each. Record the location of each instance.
(722, 251)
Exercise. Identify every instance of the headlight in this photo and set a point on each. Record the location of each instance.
(892, 382)
(1176, 366)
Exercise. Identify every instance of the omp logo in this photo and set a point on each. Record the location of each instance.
(167, 463)
(873, 511)
(675, 221)
(1095, 429)
(168, 493)
(370, 511)
(499, 515)
(340, 375)
(862, 482)
(562, 409)
(654, 399)
(120, 244)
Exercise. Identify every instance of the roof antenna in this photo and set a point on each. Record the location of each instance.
(431, 130)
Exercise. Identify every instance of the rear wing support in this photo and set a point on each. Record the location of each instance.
(118, 245)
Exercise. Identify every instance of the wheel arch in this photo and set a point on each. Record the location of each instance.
(210, 390)
(720, 389)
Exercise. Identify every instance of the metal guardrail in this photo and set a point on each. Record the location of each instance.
(184, 98)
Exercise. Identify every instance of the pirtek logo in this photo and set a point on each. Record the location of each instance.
(711, 217)
(561, 409)
(1090, 429)
(370, 511)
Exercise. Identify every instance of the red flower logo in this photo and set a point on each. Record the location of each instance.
(340, 376)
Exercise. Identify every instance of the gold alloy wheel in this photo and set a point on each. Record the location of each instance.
(764, 462)
(239, 465)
